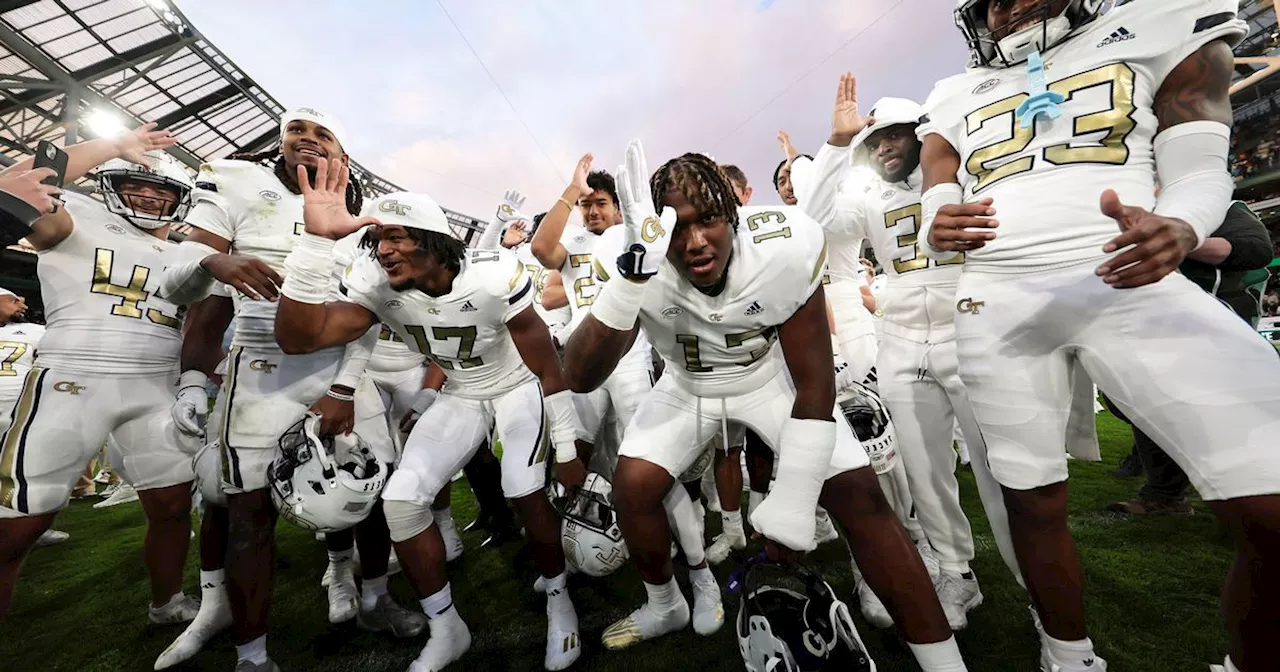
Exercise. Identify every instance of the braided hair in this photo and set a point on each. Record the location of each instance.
(702, 181)
(274, 158)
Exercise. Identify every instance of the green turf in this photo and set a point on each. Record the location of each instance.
(1152, 590)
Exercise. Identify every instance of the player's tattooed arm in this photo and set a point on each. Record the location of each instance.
(533, 342)
(806, 346)
(1197, 89)
(593, 352)
(307, 327)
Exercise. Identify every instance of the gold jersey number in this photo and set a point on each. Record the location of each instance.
(581, 284)
(12, 351)
(466, 343)
(910, 218)
(693, 354)
(992, 163)
(130, 295)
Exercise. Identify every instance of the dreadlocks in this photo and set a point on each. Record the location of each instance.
(447, 250)
(702, 181)
(275, 158)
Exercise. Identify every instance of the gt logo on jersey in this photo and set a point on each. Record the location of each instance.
(394, 206)
(970, 306)
(262, 365)
(651, 230)
(68, 386)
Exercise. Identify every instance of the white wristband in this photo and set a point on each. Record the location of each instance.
(947, 193)
(564, 428)
(340, 396)
(192, 378)
(617, 306)
(309, 270)
(426, 396)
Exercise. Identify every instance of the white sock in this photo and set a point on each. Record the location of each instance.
(754, 498)
(663, 597)
(555, 584)
(254, 652)
(443, 515)
(941, 656)
(1071, 653)
(732, 522)
(439, 603)
(370, 591)
(210, 580)
(337, 557)
(1230, 666)
(559, 606)
(702, 575)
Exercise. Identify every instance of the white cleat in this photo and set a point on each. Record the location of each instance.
(725, 543)
(344, 599)
(824, 530)
(52, 538)
(959, 595)
(180, 609)
(872, 608)
(250, 666)
(564, 643)
(214, 617)
(450, 638)
(708, 609)
(645, 623)
(1050, 664)
(122, 494)
(328, 576)
(452, 541)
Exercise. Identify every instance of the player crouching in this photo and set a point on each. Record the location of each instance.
(470, 312)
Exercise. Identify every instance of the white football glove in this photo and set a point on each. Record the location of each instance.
(647, 235)
(191, 407)
(844, 376)
(509, 210)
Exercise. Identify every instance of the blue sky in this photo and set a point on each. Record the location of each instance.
(716, 76)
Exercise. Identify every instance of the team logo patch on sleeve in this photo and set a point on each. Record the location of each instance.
(207, 186)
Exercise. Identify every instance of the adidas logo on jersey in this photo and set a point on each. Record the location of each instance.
(754, 309)
(1117, 35)
(467, 308)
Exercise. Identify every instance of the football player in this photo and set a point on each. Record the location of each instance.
(469, 311)
(246, 219)
(916, 362)
(106, 362)
(570, 252)
(733, 299)
(1039, 165)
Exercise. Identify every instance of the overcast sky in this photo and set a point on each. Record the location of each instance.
(426, 104)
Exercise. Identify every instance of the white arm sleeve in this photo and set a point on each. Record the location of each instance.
(947, 193)
(356, 358)
(817, 191)
(801, 175)
(184, 281)
(1191, 162)
(491, 237)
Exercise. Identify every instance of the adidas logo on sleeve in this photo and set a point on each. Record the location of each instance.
(1118, 35)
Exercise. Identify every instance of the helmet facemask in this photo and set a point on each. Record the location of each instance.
(175, 207)
(1013, 48)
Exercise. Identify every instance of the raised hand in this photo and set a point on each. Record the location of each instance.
(324, 205)
(580, 173)
(647, 235)
(509, 209)
(1157, 245)
(134, 145)
(845, 120)
(784, 141)
(28, 187)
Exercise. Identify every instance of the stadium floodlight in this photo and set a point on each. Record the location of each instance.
(104, 123)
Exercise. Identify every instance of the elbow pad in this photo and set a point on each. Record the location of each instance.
(1191, 163)
(186, 281)
(947, 193)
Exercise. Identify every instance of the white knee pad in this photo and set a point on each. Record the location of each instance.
(406, 520)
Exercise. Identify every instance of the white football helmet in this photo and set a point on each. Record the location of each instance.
(164, 171)
(589, 532)
(971, 18)
(872, 425)
(324, 485)
(208, 467)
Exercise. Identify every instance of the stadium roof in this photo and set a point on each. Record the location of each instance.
(73, 68)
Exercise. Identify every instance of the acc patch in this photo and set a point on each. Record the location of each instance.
(207, 186)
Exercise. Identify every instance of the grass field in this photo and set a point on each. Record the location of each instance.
(1152, 589)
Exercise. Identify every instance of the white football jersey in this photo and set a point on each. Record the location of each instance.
(248, 205)
(18, 342)
(1046, 180)
(579, 278)
(919, 294)
(555, 319)
(101, 311)
(390, 354)
(464, 331)
(726, 345)
(835, 189)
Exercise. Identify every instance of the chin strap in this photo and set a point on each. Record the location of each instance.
(1042, 100)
